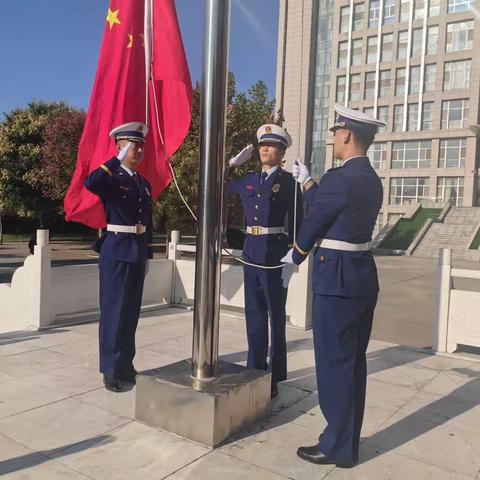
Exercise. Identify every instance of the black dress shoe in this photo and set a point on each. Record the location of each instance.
(130, 376)
(314, 455)
(112, 383)
(274, 391)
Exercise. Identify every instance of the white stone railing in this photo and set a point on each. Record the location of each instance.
(457, 310)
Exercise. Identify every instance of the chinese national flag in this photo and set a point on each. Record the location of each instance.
(119, 96)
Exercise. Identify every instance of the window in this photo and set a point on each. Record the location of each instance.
(385, 80)
(405, 191)
(402, 47)
(374, 13)
(388, 12)
(450, 188)
(414, 80)
(342, 54)
(370, 86)
(400, 81)
(357, 52)
(429, 81)
(434, 8)
(369, 111)
(453, 152)
(459, 36)
(457, 75)
(405, 10)
(345, 19)
(341, 88)
(358, 16)
(398, 118)
(417, 42)
(412, 154)
(412, 117)
(372, 43)
(427, 116)
(419, 9)
(387, 47)
(382, 115)
(355, 87)
(432, 40)
(455, 114)
(460, 5)
(377, 153)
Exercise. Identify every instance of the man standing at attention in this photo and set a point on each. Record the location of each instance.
(124, 250)
(268, 199)
(341, 214)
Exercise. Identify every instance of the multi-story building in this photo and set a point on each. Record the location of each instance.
(409, 63)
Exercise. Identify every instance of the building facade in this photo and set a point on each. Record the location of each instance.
(410, 64)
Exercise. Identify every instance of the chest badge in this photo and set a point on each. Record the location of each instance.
(276, 188)
(250, 187)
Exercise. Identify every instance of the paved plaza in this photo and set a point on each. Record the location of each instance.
(57, 422)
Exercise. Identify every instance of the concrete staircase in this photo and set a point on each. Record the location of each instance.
(455, 232)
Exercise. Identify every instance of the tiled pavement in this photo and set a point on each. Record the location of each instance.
(57, 422)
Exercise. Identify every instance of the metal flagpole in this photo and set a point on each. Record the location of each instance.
(210, 195)
(147, 40)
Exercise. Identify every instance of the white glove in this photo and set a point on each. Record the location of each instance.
(242, 157)
(300, 172)
(288, 258)
(123, 152)
(287, 272)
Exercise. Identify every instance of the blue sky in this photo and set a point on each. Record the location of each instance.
(50, 47)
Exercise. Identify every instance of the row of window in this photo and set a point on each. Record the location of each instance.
(389, 12)
(459, 38)
(418, 154)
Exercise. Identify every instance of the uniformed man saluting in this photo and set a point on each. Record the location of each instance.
(268, 199)
(124, 249)
(342, 212)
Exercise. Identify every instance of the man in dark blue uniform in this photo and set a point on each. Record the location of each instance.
(341, 214)
(124, 249)
(268, 199)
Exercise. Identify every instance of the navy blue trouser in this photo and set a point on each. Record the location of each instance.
(121, 289)
(341, 331)
(265, 297)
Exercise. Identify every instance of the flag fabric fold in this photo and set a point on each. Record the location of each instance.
(119, 96)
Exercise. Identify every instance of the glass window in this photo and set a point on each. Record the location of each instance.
(369, 111)
(460, 5)
(412, 118)
(370, 86)
(417, 42)
(405, 10)
(432, 40)
(427, 116)
(357, 58)
(457, 75)
(414, 80)
(430, 77)
(419, 9)
(402, 46)
(412, 154)
(342, 54)
(400, 81)
(453, 152)
(388, 12)
(450, 189)
(341, 88)
(387, 47)
(459, 36)
(405, 191)
(358, 16)
(382, 115)
(434, 8)
(373, 13)
(455, 114)
(377, 153)
(344, 19)
(355, 87)
(372, 43)
(398, 118)
(385, 81)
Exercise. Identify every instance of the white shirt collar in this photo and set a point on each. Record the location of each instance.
(127, 170)
(272, 170)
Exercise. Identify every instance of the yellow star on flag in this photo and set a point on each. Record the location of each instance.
(112, 18)
(130, 41)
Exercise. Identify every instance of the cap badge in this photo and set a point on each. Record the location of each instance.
(268, 129)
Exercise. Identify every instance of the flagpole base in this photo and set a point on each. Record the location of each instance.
(207, 412)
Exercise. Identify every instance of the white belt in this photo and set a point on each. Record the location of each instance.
(138, 229)
(340, 245)
(264, 230)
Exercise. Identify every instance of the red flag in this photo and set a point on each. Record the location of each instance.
(119, 96)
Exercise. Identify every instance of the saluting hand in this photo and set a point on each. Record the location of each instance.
(242, 157)
(300, 172)
(124, 151)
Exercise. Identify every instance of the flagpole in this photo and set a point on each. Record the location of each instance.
(147, 40)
